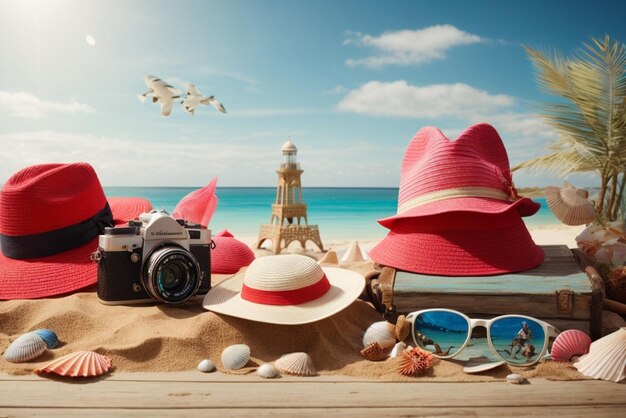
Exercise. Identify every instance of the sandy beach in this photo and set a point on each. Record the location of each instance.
(175, 338)
(556, 234)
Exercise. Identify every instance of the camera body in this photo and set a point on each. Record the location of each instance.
(155, 257)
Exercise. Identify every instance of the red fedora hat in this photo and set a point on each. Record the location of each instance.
(459, 244)
(469, 174)
(50, 218)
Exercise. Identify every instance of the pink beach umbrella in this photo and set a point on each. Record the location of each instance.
(199, 205)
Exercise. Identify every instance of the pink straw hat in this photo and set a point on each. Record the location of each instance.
(50, 218)
(285, 289)
(459, 244)
(229, 254)
(469, 174)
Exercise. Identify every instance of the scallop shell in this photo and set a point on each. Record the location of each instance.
(570, 205)
(570, 343)
(397, 349)
(403, 328)
(373, 352)
(25, 348)
(48, 336)
(381, 332)
(206, 366)
(329, 258)
(78, 364)
(606, 358)
(236, 356)
(353, 254)
(299, 364)
(515, 379)
(267, 371)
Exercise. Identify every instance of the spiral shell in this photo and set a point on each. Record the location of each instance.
(206, 366)
(25, 348)
(267, 371)
(570, 343)
(78, 364)
(299, 364)
(373, 352)
(415, 362)
(236, 356)
(398, 349)
(381, 332)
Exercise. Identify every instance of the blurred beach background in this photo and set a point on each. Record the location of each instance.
(344, 215)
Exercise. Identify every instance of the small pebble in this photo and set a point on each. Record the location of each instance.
(515, 379)
(206, 366)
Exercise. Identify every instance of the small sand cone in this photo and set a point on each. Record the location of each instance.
(353, 254)
(329, 258)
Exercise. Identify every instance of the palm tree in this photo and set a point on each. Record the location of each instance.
(591, 121)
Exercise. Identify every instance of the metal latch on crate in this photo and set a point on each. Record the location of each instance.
(564, 301)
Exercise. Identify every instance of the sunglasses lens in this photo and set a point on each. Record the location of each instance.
(518, 340)
(440, 332)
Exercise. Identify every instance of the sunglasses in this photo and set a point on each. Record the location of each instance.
(516, 339)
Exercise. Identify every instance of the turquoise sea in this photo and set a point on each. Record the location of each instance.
(341, 213)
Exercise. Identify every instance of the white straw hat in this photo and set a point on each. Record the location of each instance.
(285, 289)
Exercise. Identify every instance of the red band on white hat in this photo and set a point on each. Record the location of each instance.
(286, 297)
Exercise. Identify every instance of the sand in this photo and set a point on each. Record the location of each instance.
(175, 338)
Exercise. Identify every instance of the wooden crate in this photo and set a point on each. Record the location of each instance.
(564, 291)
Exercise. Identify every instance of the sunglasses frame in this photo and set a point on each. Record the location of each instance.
(549, 331)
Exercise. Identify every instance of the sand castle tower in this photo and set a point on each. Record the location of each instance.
(289, 222)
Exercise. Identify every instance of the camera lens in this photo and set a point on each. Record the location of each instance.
(171, 274)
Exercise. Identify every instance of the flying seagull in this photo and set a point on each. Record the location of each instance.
(160, 92)
(195, 98)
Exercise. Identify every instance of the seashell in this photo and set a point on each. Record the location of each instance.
(381, 332)
(25, 348)
(78, 364)
(206, 366)
(398, 349)
(414, 362)
(299, 364)
(606, 358)
(353, 254)
(267, 371)
(482, 367)
(329, 258)
(236, 356)
(570, 205)
(373, 352)
(48, 336)
(403, 328)
(515, 379)
(569, 343)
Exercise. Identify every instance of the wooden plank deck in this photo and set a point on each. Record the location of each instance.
(215, 394)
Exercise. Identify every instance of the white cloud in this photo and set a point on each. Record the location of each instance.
(454, 107)
(126, 162)
(398, 98)
(407, 47)
(26, 105)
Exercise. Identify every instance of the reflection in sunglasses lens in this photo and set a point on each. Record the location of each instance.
(440, 332)
(517, 340)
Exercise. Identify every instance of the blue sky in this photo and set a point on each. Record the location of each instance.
(350, 81)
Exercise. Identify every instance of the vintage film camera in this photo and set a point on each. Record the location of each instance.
(155, 257)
